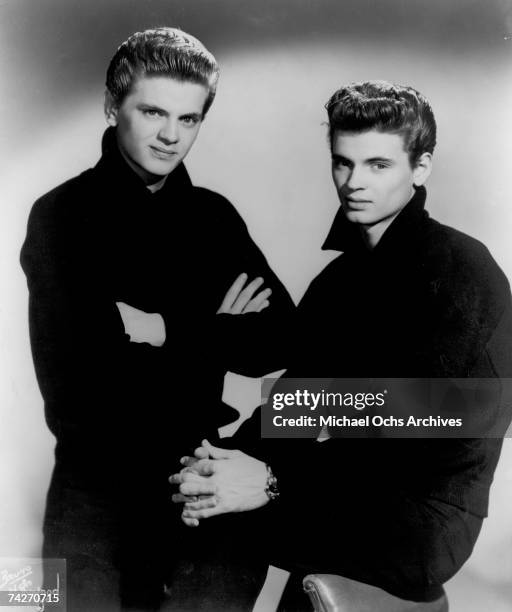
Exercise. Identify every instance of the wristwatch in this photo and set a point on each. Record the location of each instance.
(271, 485)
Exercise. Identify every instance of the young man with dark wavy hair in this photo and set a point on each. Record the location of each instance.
(134, 275)
(407, 297)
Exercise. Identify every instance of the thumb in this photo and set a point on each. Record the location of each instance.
(218, 453)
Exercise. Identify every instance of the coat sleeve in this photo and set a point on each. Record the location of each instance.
(251, 344)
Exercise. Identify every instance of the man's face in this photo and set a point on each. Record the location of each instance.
(373, 176)
(157, 123)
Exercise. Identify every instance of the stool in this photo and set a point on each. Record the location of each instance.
(330, 593)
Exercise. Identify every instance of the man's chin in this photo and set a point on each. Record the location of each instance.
(151, 170)
(161, 168)
(360, 217)
(155, 172)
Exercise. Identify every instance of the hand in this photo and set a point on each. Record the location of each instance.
(189, 462)
(142, 326)
(231, 481)
(240, 301)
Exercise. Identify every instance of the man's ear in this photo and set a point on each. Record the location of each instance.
(422, 169)
(111, 109)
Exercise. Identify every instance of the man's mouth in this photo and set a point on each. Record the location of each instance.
(356, 202)
(162, 153)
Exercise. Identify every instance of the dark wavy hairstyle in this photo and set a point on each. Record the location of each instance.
(161, 52)
(385, 107)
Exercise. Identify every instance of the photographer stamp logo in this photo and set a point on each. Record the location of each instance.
(17, 580)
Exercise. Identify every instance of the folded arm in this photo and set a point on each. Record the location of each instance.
(258, 342)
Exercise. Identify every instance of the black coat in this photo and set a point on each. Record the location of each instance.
(123, 413)
(427, 301)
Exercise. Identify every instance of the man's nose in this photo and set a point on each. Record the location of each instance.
(355, 179)
(169, 132)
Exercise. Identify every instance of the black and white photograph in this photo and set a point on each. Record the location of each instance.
(255, 312)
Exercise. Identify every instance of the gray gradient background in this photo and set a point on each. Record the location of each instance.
(263, 145)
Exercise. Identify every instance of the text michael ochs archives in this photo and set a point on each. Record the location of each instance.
(319, 408)
(359, 401)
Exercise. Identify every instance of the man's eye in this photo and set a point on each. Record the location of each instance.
(151, 112)
(341, 163)
(189, 120)
(379, 166)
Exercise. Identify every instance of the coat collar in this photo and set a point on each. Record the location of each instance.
(405, 229)
(123, 179)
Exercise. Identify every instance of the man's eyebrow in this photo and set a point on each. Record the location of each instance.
(374, 160)
(338, 157)
(153, 107)
(197, 116)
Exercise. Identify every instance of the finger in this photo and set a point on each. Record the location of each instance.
(190, 522)
(232, 293)
(202, 467)
(188, 461)
(178, 498)
(201, 453)
(201, 504)
(219, 453)
(256, 301)
(202, 514)
(263, 305)
(176, 478)
(245, 296)
(198, 488)
(187, 475)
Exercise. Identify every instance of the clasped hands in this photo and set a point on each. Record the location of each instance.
(216, 481)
